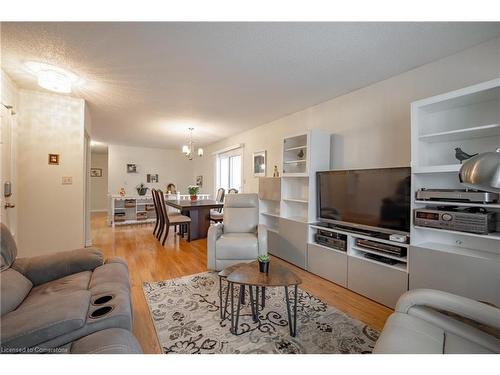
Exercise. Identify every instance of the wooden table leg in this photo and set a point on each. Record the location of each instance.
(200, 222)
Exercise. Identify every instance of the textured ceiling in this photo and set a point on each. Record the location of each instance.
(146, 83)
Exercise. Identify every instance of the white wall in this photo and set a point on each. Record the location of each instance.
(51, 215)
(99, 185)
(170, 165)
(371, 126)
(9, 95)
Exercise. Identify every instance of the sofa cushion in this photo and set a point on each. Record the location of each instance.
(44, 268)
(14, 287)
(110, 276)
(454, 344)
(241, 213)
(120, 316)
(33, 324)
(108, 341)
(240, 246)
(406, 334)
(71, 283)
(240, 220)
(8, 248)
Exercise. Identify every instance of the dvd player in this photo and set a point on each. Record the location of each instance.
(381, 247)
(334, 240)
(456, 195)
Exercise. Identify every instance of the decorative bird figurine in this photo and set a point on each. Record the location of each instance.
(461, 155)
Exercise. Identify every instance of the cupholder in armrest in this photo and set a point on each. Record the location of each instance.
(102, 300)
(100, 312)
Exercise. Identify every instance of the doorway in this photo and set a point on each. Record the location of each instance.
(99, 196)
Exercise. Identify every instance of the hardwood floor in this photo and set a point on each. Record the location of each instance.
(149, 261)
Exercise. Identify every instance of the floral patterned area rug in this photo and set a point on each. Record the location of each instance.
(186, 316)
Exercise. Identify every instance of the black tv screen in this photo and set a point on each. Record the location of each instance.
(378, 198)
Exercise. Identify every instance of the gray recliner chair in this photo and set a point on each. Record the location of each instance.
(422, 324)
(69, 301)
(240, 237)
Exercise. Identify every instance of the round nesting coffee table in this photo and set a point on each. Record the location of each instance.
(249, 275)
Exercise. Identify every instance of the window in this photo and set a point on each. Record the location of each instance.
(229, 170)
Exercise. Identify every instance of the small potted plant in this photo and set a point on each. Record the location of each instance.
(193, 191)
(263, 263)
(142, 189)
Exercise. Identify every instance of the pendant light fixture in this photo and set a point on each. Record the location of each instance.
(188, 150)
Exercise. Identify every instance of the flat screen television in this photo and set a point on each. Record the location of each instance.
(366, 198)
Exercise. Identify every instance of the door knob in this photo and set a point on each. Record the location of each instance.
(9, 205)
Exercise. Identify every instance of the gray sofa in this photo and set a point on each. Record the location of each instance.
(69, 302)
(434, 322)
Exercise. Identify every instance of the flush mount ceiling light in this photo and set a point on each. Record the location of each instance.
(188, 149)
(52, 77)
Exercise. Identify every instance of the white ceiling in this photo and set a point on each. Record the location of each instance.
(146, 83)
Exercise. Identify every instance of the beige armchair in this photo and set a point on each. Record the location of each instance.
(240, 238)
(422, 324)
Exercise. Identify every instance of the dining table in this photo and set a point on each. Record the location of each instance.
(198, 211)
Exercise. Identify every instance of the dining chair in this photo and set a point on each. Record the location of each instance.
(216, 213)
(157, 221)
(169, 220)
(159, 215)
(232, 191)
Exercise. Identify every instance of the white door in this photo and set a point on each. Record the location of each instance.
(7, 169)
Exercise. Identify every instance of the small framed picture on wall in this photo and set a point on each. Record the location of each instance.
(131, 168)
(199, 181)
(151, 178)
(95, 172)
(54, 159)
(259, 164)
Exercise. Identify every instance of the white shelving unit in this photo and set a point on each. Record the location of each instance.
(303, 155)
(468, 118)
(483, 131)
(288, 207)
(134, 209)
(269, 202)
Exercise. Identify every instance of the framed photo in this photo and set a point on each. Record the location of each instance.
(199, 181)
(54, 159)
(95, 172)
(131, 168)
(152, 178)
(259, 164)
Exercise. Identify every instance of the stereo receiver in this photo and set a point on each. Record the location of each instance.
(464, 220)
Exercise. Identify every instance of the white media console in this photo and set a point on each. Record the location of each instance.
(376, 280)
